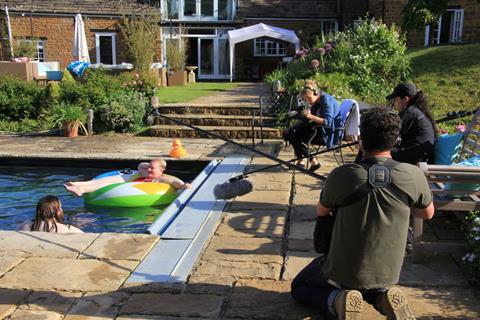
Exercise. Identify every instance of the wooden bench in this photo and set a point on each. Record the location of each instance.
(460, 200)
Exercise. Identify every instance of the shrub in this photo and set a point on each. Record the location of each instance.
(140, 34)
(472, 259)
(176, 53)
(19, 99)
(365, 62)
(123, 113)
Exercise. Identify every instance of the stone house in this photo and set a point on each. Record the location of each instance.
(204, 24)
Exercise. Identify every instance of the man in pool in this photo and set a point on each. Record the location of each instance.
(150, 172)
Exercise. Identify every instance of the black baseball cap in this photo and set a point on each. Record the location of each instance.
(402, 90)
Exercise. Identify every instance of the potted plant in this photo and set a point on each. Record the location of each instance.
(70, 117)
(176, 60)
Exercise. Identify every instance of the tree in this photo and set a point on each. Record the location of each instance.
(419, 13)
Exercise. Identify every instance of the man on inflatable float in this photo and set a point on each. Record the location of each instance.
(147, 172)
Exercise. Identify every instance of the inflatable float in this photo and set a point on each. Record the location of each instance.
(133, 193)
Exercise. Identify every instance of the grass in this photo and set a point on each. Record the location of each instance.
(191, 91)
(449, 76)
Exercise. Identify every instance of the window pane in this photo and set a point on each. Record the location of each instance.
(171, 7)
(206, 8)
(225, 9)
(190, 8)
(106, 55)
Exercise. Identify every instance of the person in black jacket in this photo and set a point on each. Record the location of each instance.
(418, 131)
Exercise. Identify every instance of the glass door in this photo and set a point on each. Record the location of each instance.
(206, 58)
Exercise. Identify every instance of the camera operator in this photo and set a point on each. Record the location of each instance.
(322, 110)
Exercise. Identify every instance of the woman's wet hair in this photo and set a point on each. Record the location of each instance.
(47, 214)
(419, 100)
(379, 129)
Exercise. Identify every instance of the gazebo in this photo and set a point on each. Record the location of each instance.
(257, 31)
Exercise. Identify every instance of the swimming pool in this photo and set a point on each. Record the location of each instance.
(21, 187)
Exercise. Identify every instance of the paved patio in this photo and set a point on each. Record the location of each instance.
(245, 271)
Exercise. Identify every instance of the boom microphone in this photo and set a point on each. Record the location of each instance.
(232, 189)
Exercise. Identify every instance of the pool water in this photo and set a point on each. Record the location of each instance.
(22, 187)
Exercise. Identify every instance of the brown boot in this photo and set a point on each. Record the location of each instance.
(349, 305)
(393, 303)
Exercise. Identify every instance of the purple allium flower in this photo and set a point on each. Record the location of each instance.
(328, 47)
(320, 50)
(315, 64)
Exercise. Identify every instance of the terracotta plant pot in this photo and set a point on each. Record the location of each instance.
(70, 129)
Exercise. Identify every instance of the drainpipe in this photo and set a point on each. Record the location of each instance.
(383, 11)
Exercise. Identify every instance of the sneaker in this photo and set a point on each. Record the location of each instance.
(314, 167)
(393, 304)
(349, 305)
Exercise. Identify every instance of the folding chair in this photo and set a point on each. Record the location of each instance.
(349, 127)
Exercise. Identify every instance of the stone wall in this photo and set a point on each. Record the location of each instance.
(58, 33)
(287, 9)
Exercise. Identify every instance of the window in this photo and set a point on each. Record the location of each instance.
(329, 26)
(105, 44)
(37, 48)
(268, 48)
(207, 10)
(41, 50)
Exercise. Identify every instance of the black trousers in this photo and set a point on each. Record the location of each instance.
(312, 290)
(298, 136)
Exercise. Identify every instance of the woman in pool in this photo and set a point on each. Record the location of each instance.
(48, 218)
(150, 172)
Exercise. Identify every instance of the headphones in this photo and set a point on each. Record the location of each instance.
(315, 91)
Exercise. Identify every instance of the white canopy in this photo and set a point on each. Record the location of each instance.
(80, 47)
(257, 31)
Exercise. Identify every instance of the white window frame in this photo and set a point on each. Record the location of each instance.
(113, 35)
(456, 28)
(40, 48)
(323, 25)
(265, 53)
(198, 14)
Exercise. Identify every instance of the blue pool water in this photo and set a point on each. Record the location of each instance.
(22, 187)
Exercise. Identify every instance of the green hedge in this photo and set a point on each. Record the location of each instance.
(118, 101)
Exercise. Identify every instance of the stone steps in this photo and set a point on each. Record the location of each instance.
(240, 132)
(217, 120)
(232, 110)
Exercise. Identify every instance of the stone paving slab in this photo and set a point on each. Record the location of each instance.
(68, 274)
(216, 284)
(303, 212)
(35, 315)
(295, 261)
(438, 271)
(120, 246)
(9, 299)
(257, 223)
(253, 250)
(58, 302)
(41, 244)
(238, 269)
(97, 306)
(7, 263)
(263, 299)
(261, 200)
(301, 230)
(179, 305)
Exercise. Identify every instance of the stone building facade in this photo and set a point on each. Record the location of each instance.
(461, 22)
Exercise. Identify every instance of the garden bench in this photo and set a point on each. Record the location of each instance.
(453, 189)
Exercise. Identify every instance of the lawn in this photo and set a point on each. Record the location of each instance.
(449, 76)
(191, 91)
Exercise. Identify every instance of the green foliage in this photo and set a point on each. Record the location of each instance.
(471, 260)
(67, 112)
(25, 125)
(176, 53)
(280, 74)
(140, 35)
(19, 99)
(418, 13)
(363, 63)
(25, 48)
(145, 83)
(123, 113)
